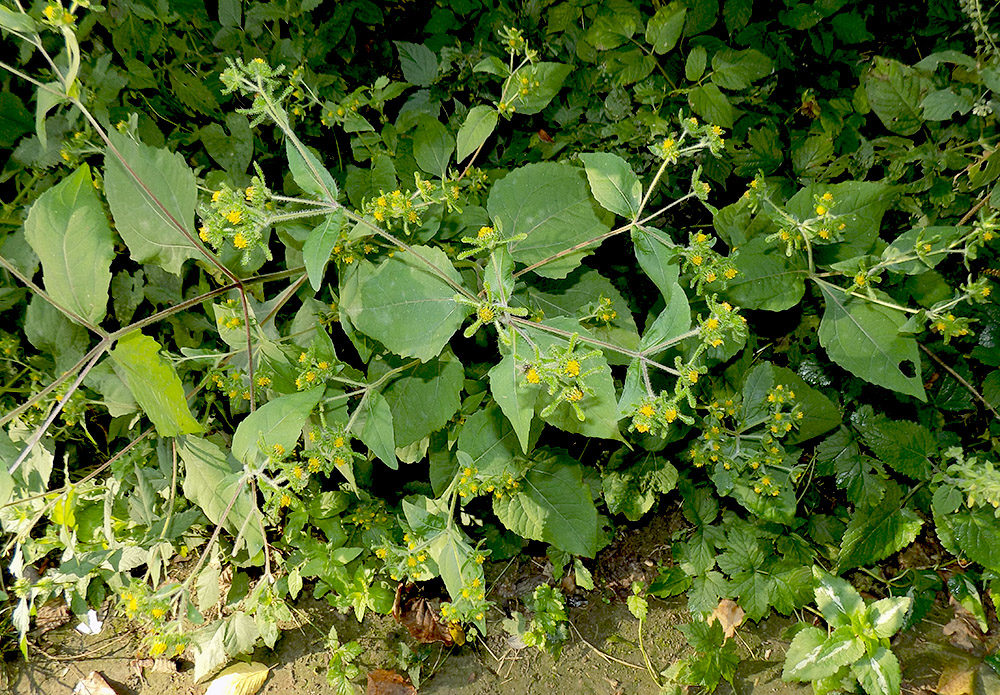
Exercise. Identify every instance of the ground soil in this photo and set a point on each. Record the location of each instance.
(943, 654)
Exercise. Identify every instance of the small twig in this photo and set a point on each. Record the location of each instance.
(605, 655)
(975, 208)
(958, 377)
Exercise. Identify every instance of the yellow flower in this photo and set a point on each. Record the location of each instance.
(574, 395)
(670, 415)
(532, 376)
(279, 450)
(697, 260)
(485, 232)
(216, 195)
(203, 233)
(642, 427)
(485, 313)
(730, 273)
(240, 241)
(572, 368)
(860, 280)
(286, 500)
(647, 410)
(820, 210)
(827, 197)
(158, 648)
(693, 376)
(712, 324)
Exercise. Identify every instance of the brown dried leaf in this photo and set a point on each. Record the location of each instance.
(419, 617)
(382, 682)
(962, 631)
(956, 680)
(730, 616)
(50, 616)
(94, 684)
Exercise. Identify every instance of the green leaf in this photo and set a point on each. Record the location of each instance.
(48, 97)
(68, 230)
(613, 183)
(433, 146)
(664, 28)
(864, 338)
(551, 203)
(20, 22)
(907, 447)
(377, 430)
(943, 104)
(479, 125)
(309, 173)
(488, 438)
(193, 93)
(516, 400)
(838, 601)
(147, 216)
(657, 259)
(859, 205)
(874, 534)
(423, 397)
(406, 306)
(971, 533)
(712, 105)
(894, 91)
(553, 505)
(233, 150)
(736, 14)
(768, 279)
(706, 590)
(808, 657)
(886, 615)
(633, 488)
(212, 479)
(49, 330)
(418, 63)
(550, 78)
(694, 66)
(738, 69)
(672, 322)
(154, 384)
(276, 423)
(878, 674)
(319, 245)
(940, 239)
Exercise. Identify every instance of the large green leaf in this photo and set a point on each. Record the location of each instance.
(277, 423)
(614, 184)
(657, 257)
(711, 104)
(515, 398)
(423, 397)
(154, 384)
(549, 78)
(875, 533)
(309, 173)
(580, 289)
(551, 203)
(553, 505)
(895, 92)
(664, 28)
(68, 230)
(878, 674)
(488, 438)
(907, 447)
(433, 146)
(633, 487)
(376, 429)
(768, 279)
(406, 306)
(864, 338)
(147, 215)
(479, 125)
(809, 658)
(972, 533)
(212, 479)
(738, 69)
(319, 245)
(859, 205)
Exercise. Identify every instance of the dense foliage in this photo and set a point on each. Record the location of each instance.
(303, 307)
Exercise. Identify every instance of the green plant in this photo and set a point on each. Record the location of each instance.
(342, 671)
(548, 629)
(856, 646)
(337, 329)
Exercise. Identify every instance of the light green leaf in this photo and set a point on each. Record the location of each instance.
(613, 183)
(553, 505)
(377, 430)
(712, 105)
(479, 125)
(738, 69)
(694, 66)
(406, 306)
(634, 486)
(418, 63)
(768, 279)
(433, 146)
(549, 76)
(147, 221)
(48, 97)
(859, 205)
(212, 479)
(878, 674)
(802, 660)
(907, 447)
(423, 397)
(838, 601)
(886, 615)
(895, 92)
(551, 203)
(276, 423)
(489, 440)
(673, 321)
(49, 330)
(516, 400)
(20, 22)
(154, 384)
(664, 28)
(864, 338)
(874, 534)
(319, 245)
(943, 104)
(657, 258)
(309, 173)
(68, 230)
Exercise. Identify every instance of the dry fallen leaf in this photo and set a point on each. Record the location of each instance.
(418, 616)
(956, 680)
(240, 679)
(729, 615)
(94, 684)
(382, 682)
